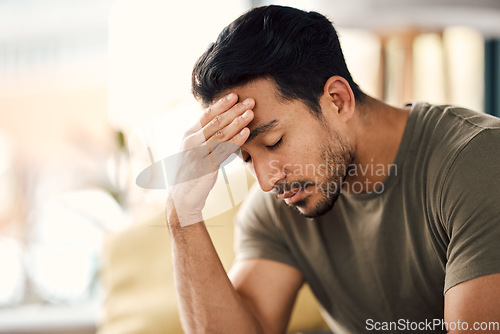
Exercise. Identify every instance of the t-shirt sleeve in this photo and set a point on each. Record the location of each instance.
(257, 230)
(470, 206)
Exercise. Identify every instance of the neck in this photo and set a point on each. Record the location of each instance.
(378, 131)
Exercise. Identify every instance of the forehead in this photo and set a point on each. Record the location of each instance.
(269, 105)
(263, 91)
(262, 88)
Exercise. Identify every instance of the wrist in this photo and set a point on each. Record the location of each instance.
(178, 217)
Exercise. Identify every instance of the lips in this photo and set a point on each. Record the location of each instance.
(288, 194)
(292, 197)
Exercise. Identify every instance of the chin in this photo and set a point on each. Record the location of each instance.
(314, 209)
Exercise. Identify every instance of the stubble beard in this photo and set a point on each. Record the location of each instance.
(339, 159)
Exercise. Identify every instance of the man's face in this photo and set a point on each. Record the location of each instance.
(293, 153)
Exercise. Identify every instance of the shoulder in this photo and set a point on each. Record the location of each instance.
(454, 124)
(445, 133)
(473, 119)
(463, 133)
(476, 160)
(465, 143)
(436, 119)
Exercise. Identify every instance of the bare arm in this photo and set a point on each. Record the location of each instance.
(474, 303)
(269, 289)
(260, 301)
(208, 303)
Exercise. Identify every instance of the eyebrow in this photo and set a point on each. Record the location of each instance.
(258, 130)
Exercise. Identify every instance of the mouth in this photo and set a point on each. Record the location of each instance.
(293, 196)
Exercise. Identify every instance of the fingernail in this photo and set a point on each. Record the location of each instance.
(230, 96)
(246, 102)
(243, 132)
(245, 114)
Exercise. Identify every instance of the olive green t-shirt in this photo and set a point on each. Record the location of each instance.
(391, 255)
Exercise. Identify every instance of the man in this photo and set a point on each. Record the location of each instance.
(381, 210)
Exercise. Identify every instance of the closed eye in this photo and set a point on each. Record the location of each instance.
(269, 147)
(276, 145)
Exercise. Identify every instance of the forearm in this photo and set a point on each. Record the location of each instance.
(208, 303)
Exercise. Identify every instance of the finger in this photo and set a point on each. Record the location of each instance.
(219, 122)
(218, 108)
(208, 115)
(222, 150)
(216, 128)
(212, 111)
(233, 128)
(207, 158)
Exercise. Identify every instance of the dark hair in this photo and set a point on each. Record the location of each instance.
(298, 50)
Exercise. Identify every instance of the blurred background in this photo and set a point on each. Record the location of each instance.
(81, 81)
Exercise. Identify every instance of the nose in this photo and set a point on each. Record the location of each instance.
(268, 173)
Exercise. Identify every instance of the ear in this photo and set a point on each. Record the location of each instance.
(340, 97)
